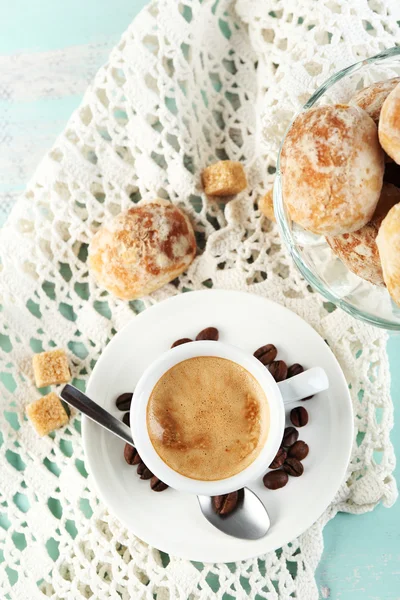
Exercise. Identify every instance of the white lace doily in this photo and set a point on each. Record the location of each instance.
(180, 90)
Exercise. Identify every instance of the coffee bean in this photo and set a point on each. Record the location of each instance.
(127, 419)
(226, 503)
(143, 471)
(275, 479)
(131, 455)
(157, 485)
(209, 333)
(217, 502)
(293, 467)
(299, 450)
(123, 401)
(278, 370)
(279, 459)
(180, 342)
(299, 416)
(137, 460)
(290, 436)
(266, 354)
(295, 369)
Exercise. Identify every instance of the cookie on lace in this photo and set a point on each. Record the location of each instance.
(46, 414)
(142, 249)
(358, 250)
(224, 178)
(50, 368)
(332, 165)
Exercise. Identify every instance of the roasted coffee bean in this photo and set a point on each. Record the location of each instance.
(143, 471)
(209, 333)
(295, 369)
(299, 450)
(279, 459)
(217, 502)
(127, 419)
(266, 354)
(157, 485)
(290, 436)
(131, 455)
(123, 402)
(293, 467)
(275, 479)
(225, 504)
(278, 370)
(299, 416)
(137, 460)
(180, 342)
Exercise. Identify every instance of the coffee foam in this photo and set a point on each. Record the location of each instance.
(208, 418)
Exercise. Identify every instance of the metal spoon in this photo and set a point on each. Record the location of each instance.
(249, 520)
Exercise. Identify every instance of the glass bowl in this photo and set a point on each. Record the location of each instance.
(311, 253)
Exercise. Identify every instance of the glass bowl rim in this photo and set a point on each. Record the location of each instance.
(279, 209)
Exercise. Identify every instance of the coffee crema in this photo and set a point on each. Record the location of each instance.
(208, 418)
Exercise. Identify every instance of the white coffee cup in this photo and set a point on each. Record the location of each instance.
(272, 391)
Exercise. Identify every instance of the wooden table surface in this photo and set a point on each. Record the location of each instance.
(49, 51)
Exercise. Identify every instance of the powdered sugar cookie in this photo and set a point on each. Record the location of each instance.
(142, 249)
(389, 125)
(358, 250)
(332, 166)
(371, 98)
(388, 242)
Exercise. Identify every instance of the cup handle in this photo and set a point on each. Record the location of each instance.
(308, 383)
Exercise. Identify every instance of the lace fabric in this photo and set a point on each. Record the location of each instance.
(188, 84)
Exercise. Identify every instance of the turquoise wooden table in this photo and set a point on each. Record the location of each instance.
(49, 51)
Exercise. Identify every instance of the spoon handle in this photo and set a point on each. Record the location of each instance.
(74, 397)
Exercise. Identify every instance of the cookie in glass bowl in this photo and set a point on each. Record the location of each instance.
(332, 169)
(358, 250)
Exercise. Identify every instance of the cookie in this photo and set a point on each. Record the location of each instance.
(389, 125)
(388, 242)
(358, 250)
(142, 249)
(332, 169)
(371, 98)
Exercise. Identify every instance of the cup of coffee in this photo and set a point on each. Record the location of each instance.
(207, 418)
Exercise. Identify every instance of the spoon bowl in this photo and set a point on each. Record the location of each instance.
(249, 520)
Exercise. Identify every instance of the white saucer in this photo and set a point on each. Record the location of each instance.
(172, 521)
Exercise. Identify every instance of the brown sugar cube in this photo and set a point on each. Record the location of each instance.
(50, 368)
(47, 413)
(266, 205)
(224, 178)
